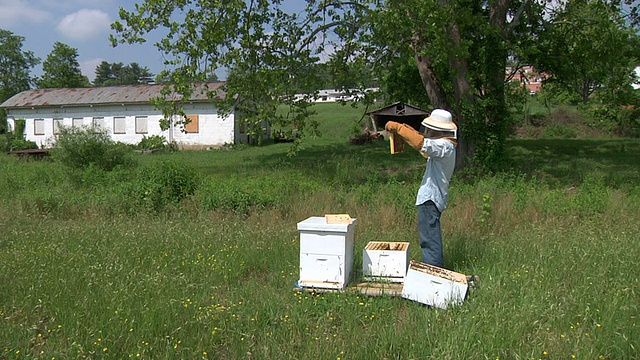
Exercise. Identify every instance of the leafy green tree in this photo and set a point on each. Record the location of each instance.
(16, 65)
(61, 69)
(103, 74)
(589, 48)
(110, 74)
(459, 48)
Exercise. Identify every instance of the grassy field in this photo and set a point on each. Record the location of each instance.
(97, 265)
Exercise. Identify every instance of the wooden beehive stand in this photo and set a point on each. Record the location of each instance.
(376, 288)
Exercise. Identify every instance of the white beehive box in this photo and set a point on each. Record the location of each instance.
(326, 253)
(434, 286)
(385, 261)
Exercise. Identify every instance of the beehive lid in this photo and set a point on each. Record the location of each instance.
(319, 223)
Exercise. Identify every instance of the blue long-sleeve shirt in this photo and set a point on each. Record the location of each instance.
(435, 182)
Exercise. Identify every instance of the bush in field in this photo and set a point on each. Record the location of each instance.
(152, 142)
(15, 140)
(4, 142)
(238, 195)
(559, 131)
(83, 147)
(160, 184)
(22, 144)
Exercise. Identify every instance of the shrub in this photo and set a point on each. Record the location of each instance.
(164, 183)
(238, 195)
(3, 122)
(22, 144)
(629, 123)
(82, 147)
(152, 142)
(559, 132)
(15, 140)
(4, 142)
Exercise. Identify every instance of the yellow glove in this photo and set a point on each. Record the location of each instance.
(409, 134)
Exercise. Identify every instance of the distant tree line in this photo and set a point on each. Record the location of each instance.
(109, 74)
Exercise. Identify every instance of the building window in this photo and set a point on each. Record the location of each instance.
(38, 127)
(193, 125)
(141, 125)
(242, 127)
(119, 125)
(77, 122)
(98, 122)
(57, 125)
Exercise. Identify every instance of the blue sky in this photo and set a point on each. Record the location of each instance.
(81, 24)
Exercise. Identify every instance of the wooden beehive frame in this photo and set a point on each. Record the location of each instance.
(390, 246)
(396, 143)
(439, 272)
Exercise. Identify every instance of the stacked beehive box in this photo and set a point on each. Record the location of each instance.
(385, 261)
(326, 252)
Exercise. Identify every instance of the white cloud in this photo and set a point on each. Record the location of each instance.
(14, 12)
(88, 68)
(84, 24)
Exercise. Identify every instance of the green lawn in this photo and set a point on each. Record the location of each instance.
(89, 268)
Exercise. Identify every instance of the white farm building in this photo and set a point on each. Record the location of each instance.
(127, 113)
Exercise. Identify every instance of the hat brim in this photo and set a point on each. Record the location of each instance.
(439, 125)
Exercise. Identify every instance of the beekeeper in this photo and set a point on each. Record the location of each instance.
(436, 141)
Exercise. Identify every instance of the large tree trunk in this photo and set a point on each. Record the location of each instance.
(462, 88)
(463, 103)
(495, 64)
(437, 96)
(463, 96)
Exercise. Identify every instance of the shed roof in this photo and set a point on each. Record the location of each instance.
(124, 94)
(399, 109)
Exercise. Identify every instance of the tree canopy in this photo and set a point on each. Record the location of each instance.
(589, 46)
(110, 74)
(61, 69)
(16, 65)
(457, 49)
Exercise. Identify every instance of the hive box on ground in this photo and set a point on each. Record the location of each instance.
(385, 261)
(326, 253)
(434, 286)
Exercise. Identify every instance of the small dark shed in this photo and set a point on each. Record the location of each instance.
(398, 112)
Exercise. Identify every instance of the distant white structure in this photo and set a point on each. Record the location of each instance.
(333, 95)
(128, 114)
(636, 82)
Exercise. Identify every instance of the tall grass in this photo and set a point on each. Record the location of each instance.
(86, 271)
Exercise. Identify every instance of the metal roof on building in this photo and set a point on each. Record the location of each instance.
(125, 94)
(399, 109)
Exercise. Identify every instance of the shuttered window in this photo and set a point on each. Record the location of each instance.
(57, 125)
(119, 125)
(193, 126)
(141, 125)
(98, 122)
(38, 127)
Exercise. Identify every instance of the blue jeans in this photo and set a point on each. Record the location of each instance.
(430, 234)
